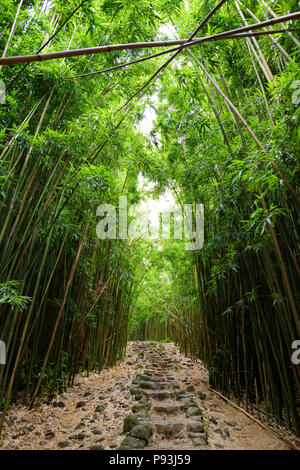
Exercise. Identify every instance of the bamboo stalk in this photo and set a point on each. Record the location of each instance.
(274, 16)
(158, 54)
(250, 48)
(253, 135)
(12, 30)
(59, 315)
(282, 50)
(257, 421)
(47, 42)
(263, 63)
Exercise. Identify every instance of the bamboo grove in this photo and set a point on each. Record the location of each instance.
(225, 134)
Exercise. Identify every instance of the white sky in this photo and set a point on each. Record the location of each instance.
(153, 207)
(167, 30)
(166, 201)
(146, 123)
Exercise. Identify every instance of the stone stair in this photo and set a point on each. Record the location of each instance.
(164, 415)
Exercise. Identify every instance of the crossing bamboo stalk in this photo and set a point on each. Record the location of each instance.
(131, 46)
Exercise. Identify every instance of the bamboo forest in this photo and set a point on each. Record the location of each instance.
(149, 235)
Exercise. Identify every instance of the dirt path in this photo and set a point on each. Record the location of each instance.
(166, 397)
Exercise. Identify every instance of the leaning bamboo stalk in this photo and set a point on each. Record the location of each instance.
(9, 144)
(274, 16)
(263, 63)
(22, 339)
(91, 158)
(284, 271)
(213, 104)
(17, 257)
(24, 168)
(250, 48)
(279, 46)
(14, 226)
(53, 25)
(257, 421)
(48, 41)
(210, 98)
(267, 71)
(45, 290)
(12, 30)
(235, 117)
(37, 130)
(59, 315)
(252, 134)
(129, 46)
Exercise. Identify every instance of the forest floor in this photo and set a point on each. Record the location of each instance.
(90, 414)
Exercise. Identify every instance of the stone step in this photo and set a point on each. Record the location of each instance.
(154, 378)
(195, 427)
(155, 372)
(168, 429)
(148, 385)
(193, 411)
(167, 408)
(159, 394)
(186, 403)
